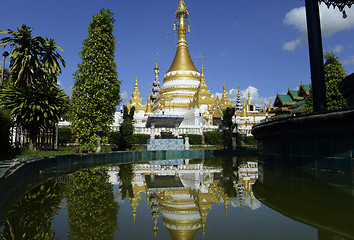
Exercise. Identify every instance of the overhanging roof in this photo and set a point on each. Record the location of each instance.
(167, 121)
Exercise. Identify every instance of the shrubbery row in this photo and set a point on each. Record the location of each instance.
(211, 138)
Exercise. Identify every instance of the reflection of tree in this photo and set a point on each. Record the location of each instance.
(126, 175)
(92, 211)
(32, 217)
(228, 178)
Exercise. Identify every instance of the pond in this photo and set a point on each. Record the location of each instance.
(207, 198)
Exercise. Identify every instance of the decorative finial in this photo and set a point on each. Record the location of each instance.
(182, 9)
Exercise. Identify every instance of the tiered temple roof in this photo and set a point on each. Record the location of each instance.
(292, 102)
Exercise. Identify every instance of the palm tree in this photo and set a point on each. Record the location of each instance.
(34, 99)
(25, 56)
(50, 60)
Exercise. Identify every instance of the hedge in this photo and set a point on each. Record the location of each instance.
(140, 138)
(194, 139)
(113, 138)
(214, 138)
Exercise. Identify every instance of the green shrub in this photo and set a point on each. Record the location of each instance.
(214, 138)
(250, 141)
(5, 125)
(194, 139)
(140, 138)
(113, 137)
(65, 135)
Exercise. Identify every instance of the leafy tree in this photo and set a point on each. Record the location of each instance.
(32, 217)
(126, 130)
(96, 91)
(92, 211)
(227, 126)
(228, 178)
(32, 58)
(334, 74)
(35, 107)
(126, 175)
(34, 96)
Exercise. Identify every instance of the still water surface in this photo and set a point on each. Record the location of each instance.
(213, 198)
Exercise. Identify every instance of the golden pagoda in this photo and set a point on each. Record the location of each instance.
(136, 100)
(203, 95)
(182, 79)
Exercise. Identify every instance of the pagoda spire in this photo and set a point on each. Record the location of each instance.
(148, 109)
(244, 110)
(224, 91)
(136, 93)
(155, 84)
(136, 100)
(249, 102)
(182, 60)
(238, 104)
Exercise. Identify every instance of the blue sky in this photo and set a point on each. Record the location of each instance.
(258, 45)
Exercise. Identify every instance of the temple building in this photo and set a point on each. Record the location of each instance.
(184, 91)
(291, 103)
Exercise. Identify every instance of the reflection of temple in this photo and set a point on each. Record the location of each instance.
(183, 195)
(247, 173)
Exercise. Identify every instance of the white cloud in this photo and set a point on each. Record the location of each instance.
(255, 98)
(125, 97)
(338, 48)
(291, 46)
(67, 90)
(348, 61)
(331, 22)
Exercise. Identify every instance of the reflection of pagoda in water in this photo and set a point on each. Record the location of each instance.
(184, 194)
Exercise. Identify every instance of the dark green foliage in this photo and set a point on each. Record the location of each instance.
(32, 217)
(250, 140)
(65, 135)
(113, 137)
(228, 178)
(194, 139)
(32, 58)
(140, 138)
(92, 211)
(33, 95)
(213, 138)
(5, 125)
(334, 74)
(227, 126)
(126, 130)
(96, 90)
(126, 175)
(36, 107)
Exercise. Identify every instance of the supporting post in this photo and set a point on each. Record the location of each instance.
(152, 134)
(316, 56)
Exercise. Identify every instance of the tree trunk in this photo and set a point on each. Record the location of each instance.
(33, 141)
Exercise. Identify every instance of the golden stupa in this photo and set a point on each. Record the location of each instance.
(182, 80)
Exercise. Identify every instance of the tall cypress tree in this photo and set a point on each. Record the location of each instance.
(334, 74)
(96, 91)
